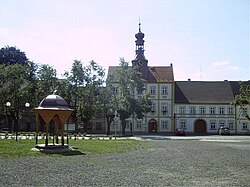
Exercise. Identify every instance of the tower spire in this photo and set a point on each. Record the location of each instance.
(139, 25)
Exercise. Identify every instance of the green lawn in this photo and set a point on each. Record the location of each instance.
(11, 148)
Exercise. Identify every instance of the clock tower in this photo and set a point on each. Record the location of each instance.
(140, 61)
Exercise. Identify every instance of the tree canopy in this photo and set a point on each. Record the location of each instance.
(243, 99)
(129, 80)
(12, 55)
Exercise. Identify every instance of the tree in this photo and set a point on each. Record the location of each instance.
(90, 105)
(86, 84)
(12, 55)
(47, 80)
(129, 79)
(75, 78)
(14, 76)
(243, 99)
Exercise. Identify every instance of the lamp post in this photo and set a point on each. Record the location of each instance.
(27, 105)
(8, 104)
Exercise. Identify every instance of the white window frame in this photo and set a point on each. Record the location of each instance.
(212, 110)
(192, 109)
(164, 90)
(244, 125)
(202, 110)
(183, 124)
(182, 109)
(152, 90)
(164, 124)
(153, 108)
(164, 109)
(213, 125)
(231, 124)
(114, 125)
(128, 123)
(139, 124)
(230, 110)
(221, 110)
(222, 123)
(116, 90)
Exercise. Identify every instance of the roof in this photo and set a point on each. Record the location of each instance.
(53, 102)
(154, 74)
(203, 92)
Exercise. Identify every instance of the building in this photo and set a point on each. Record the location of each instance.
(160, 86)
(195, 106)
(204, 106)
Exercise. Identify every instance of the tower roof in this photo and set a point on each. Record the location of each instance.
(139, 45)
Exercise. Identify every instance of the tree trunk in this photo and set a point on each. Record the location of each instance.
(108, 125)
(123, 123)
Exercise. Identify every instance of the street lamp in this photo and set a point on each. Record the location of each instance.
(27, 105)
(8, 104)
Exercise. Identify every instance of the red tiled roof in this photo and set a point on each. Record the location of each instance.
(154, 74)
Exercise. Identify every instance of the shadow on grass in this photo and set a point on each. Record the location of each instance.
(68, 153)
(71, 151)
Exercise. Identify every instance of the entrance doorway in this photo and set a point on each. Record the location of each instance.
(152, 126)
(200, 126)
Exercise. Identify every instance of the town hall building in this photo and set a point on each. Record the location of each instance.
(195, 106)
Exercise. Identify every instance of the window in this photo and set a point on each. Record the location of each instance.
(231, 124)
(153, 90)
(192, 110)
(183, 124)
(222, 123)
(128, 124)
(221, 110)
(164, 90)
(153, 108)
(139, 91)
(213, 125)
(230, 110)
(115, 124)
(116, 90)
(164, 109)
(244, 126)
(202, 110)
(98, 126)
(182, 109)
(164, 124)
(139, 124)
(212, 110)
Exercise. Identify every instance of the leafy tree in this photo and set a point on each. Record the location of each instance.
(86, 83)
(243, 99)
(75, 78)
(15, 80)
(47, 80)
(129, 79)
(14, 90)
(12, 55)
(90, 105)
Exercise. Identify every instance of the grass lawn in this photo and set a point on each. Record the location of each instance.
(11, 148)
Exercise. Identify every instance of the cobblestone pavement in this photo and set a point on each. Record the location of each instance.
(193, 161)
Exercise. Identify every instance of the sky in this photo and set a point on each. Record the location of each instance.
(205, 40)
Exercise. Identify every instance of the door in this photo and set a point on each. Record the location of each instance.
(152, 126)
(200, 126)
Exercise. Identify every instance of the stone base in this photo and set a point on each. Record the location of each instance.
(53, 148)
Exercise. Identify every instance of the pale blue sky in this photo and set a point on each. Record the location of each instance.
(204, 39)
